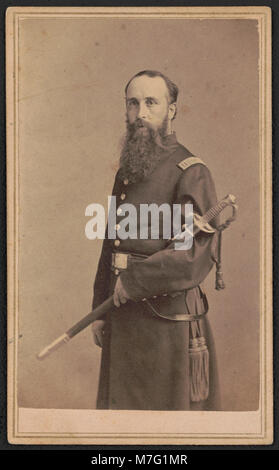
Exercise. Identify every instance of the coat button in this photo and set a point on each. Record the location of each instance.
(119, 211)
(116, 272)
(116, 242)
(154, 296)
(117, 227)
(122, 196)
(126, 181)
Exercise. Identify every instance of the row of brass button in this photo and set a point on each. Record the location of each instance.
(119, 212)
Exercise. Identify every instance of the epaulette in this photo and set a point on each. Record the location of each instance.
(184, 164)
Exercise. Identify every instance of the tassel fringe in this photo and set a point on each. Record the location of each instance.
(219, 285)
(199, 369)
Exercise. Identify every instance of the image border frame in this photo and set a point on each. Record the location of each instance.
(263, 14)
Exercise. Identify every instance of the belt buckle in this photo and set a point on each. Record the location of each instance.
(120, 260)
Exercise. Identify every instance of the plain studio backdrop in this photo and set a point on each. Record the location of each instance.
(72, 74)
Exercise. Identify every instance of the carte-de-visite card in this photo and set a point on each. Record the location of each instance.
(139, 225)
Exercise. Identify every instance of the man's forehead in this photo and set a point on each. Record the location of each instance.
(144, 86)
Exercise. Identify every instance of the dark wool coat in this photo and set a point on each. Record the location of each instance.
(145, 359)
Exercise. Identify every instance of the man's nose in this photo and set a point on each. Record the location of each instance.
(142, 114)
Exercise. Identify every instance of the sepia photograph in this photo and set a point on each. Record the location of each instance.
(139, 225)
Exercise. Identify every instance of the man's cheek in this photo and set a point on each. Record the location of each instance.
(132, 116)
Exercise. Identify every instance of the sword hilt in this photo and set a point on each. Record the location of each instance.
(201, 223)
(229, 200)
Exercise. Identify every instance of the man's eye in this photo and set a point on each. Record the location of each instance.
(132, 103)
(150, 102)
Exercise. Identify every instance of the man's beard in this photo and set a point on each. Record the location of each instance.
(142, 150)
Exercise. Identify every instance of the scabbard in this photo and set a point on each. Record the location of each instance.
(97, 313)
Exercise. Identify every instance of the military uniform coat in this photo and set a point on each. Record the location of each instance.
(145, 359)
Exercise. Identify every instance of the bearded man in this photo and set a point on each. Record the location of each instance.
(157, 348)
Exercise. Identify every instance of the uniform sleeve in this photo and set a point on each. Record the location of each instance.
(172, 270)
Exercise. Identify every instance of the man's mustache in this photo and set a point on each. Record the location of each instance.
(139, 123)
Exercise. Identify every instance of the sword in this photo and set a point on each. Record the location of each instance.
(200, 223)
(98, 312)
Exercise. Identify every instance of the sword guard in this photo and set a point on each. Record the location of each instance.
(200, 225)
(230, 199)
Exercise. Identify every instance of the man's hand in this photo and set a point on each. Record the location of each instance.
(98, 331)
(120, 295)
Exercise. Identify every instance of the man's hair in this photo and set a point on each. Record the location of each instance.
(172, 88)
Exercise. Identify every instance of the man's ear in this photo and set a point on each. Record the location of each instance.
(172, 111)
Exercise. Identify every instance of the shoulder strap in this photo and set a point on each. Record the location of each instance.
(187, 162)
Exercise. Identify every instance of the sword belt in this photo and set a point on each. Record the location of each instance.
(121, 261)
